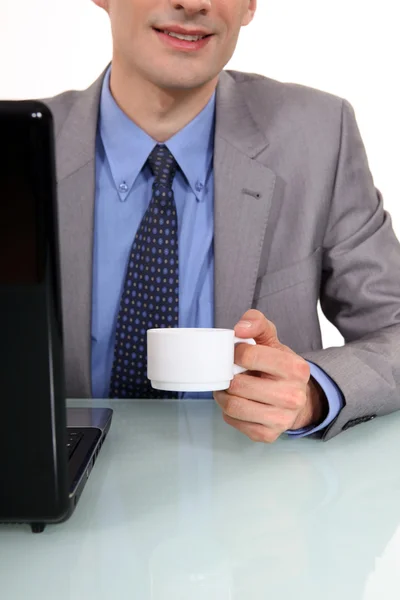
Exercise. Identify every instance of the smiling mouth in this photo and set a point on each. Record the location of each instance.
(183, 37)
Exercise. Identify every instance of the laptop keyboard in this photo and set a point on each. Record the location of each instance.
(73, 439)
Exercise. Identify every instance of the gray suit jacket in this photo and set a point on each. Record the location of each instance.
(297, 219)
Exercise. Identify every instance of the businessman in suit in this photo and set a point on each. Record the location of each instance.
(272, 206)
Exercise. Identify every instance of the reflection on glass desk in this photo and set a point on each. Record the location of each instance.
(180, 506)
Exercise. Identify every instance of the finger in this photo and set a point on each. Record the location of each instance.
(255, 325)
(273, 362)
(280, 394)
(264, 359)
(254, 431)
(249, 411)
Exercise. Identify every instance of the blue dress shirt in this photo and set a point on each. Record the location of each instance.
(123, 193)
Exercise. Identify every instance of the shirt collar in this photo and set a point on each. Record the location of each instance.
(193, 148)
(127, 146)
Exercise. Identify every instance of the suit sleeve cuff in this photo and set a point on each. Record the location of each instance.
(334, 397)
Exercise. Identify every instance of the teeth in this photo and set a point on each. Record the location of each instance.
(188, 38)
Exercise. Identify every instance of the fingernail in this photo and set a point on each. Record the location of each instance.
(246, 324)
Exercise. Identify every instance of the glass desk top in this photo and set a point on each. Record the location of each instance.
(180, 506)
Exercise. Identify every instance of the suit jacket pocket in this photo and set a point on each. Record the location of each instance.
(289, 298)
(276, 281)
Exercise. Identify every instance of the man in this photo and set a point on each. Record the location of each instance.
(273, 206)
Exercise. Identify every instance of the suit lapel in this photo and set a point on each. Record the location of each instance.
(76, 147)
(243, 190)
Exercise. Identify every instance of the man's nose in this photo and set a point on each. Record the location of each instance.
(192, 7)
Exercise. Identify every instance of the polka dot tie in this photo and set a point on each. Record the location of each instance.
(150, 298)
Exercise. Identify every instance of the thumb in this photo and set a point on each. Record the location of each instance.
(255, 325)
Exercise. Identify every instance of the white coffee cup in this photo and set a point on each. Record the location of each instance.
(192, 359)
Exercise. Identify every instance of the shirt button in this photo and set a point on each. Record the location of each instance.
(199, 186)
(123, 188)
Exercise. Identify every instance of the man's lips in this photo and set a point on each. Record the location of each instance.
(183, 30)
(182, 44)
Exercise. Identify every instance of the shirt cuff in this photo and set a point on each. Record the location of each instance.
(334, 397)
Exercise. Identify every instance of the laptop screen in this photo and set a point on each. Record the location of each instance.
(21, 213)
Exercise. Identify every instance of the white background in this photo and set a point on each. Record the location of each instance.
(347, 47)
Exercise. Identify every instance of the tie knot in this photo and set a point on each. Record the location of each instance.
(163, 165)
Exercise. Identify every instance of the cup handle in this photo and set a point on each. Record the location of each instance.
(237, 340)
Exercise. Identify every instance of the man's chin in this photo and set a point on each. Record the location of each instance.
(184, 83)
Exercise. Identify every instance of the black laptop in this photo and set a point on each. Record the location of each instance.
(46, 451)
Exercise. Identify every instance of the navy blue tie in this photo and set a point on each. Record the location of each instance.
(150, 297)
